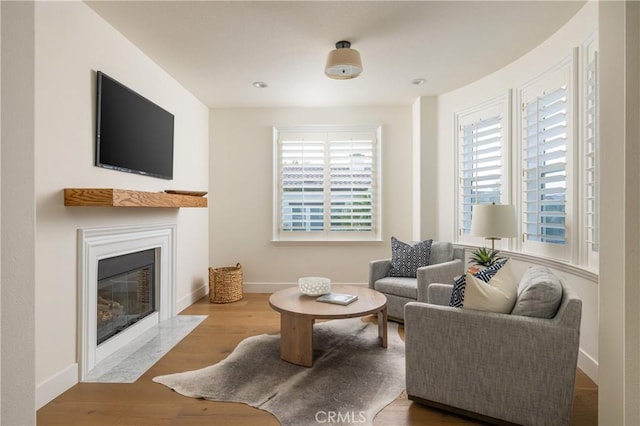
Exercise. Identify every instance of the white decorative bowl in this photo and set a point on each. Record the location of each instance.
(314, 286)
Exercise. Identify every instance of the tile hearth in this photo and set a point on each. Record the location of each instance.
(129, 363)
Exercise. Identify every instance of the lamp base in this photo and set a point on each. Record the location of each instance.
(493, 241)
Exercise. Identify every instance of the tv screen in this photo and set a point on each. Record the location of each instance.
(133, 134)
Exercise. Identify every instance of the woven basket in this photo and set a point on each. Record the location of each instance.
(225, 284)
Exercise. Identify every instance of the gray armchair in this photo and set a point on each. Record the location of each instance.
(445, 263)
(510, 368)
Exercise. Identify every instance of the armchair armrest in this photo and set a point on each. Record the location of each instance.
(439, 294)
(498, 365)
(439, 273)
(378, 269)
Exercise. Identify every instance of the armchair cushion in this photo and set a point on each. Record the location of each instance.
(539, 293)
(399, 286)
(407, 258)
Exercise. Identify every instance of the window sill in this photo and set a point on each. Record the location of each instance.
(577, 270)
(326, 242)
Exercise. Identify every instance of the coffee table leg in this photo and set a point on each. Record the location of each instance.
(382, 326)
(296, 334)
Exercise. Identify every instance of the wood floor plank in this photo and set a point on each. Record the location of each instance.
(147, 403)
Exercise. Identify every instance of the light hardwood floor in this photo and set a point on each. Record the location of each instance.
(147, 403)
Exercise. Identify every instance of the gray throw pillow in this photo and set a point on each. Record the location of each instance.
(539, 293)
(407, 258)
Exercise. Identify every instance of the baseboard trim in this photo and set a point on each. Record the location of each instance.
(588, 365)
(191, 298)
(54, 386)
(257, 287)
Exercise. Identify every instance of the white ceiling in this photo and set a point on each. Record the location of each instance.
(216, 49)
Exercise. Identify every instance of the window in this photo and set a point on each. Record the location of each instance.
(545, 167)
(480, 166)
(589, 145)
(551, 175)
(546, 158)
(326, 183)
(482, 159)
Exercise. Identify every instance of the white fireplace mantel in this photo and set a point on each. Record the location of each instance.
(95, 244)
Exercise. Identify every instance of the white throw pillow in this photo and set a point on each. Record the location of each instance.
(498, 295)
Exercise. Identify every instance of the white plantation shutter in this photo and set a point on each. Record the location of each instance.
(480, 167)
(327, 185)
(590, 141)
(302, 184)
(352, 183)
(482, 161)
(545, 167)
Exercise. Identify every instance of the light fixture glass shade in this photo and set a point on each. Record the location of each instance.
(343, 63)
(494, 221)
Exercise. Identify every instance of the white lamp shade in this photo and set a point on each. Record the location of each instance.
(343, 63)
(493, 221)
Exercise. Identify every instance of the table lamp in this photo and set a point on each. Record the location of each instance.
(493, 222)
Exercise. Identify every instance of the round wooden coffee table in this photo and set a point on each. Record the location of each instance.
(298, 313)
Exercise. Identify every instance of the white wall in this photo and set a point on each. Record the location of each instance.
(619, 390)
(427, 121)
(18, 215)
(72, 43)
(0, 207)
(241, 196)
(534, 63)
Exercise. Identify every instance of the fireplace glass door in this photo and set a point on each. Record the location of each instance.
(126, 292)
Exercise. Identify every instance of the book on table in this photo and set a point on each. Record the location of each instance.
(338, 298)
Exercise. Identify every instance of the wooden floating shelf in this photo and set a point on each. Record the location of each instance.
(111, 197)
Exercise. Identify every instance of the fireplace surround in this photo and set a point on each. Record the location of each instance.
(96, 244)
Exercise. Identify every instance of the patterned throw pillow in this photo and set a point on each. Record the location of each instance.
(460, 283)
(407, 258)
(457, 295)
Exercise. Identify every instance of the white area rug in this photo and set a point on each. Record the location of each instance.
(352, 378)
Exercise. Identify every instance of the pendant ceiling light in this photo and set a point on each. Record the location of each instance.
(343, 63)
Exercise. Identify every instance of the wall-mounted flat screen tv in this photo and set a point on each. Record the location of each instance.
(133, 134)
